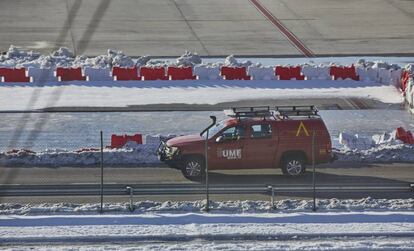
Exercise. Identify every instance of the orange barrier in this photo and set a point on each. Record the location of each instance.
(120, 141)
(13, 75)
(153, 73)
(234, 73)
(69, 74)
(125, 73)
(180, 73)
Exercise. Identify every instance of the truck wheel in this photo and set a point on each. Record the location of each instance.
(293, 166)
(193, 168)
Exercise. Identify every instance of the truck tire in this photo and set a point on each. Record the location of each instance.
(293, 165)
(193, 168)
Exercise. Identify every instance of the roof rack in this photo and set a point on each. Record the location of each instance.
(289, 111)
(249, 112)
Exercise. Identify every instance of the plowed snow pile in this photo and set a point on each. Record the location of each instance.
(378, 148)
(247, 206)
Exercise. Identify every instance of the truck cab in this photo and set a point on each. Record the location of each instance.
(253, 138)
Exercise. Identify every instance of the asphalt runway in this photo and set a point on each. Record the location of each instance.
(337, 174)
(211, 27)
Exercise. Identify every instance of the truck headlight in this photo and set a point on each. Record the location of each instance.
(174, 150)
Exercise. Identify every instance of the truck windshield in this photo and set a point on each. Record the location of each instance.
(214, 130)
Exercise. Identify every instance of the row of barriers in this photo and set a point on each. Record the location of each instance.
(177, 73)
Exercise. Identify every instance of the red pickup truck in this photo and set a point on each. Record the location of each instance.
(253, 137)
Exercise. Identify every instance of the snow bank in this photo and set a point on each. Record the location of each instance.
(355, 141)
(233, 62)
(384, 153)
(262, 73)
(316, 72)
(378, 71)
(232, 207)
(188, 59)
(377, 148)
(369, 71)
(131, 155)
(205, 72)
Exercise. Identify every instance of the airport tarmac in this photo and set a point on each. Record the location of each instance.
(211, 27)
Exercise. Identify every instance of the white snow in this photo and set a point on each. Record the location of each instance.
(187, 227)
(188, 59)
(338, 224)
(316, 72)
(223, 207)
(343, 244)
(120, 94)
(377, 148)
(131, 155)
(261, 73)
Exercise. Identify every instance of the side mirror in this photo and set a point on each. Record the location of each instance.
(219, 139)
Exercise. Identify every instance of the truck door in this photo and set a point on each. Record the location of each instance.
(260, 145)
(226, 151)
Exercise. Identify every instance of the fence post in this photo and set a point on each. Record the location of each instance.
(313, 172)
(207, 207)
(272, 198)
(101, 210)
(131, 194)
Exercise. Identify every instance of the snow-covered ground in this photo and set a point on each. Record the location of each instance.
(18, 97)
(185, 231)
(337, 225)
(220, 207)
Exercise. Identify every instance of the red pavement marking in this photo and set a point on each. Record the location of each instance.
(282, 28)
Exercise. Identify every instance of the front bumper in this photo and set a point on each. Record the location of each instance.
(167, 154)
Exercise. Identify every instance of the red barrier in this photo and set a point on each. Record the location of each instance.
(125, 74)
(296, 72)
(343, 72)
(13, 75)
(153, 73)
(282, 72)
(234, 73)
(69, 74)
(336, 72)
(120, 141)
(287, 73)
(404, 136)
(180, 73)
(350, 72)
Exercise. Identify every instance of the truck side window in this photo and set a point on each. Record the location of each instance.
(234, 133)
(261, 131)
